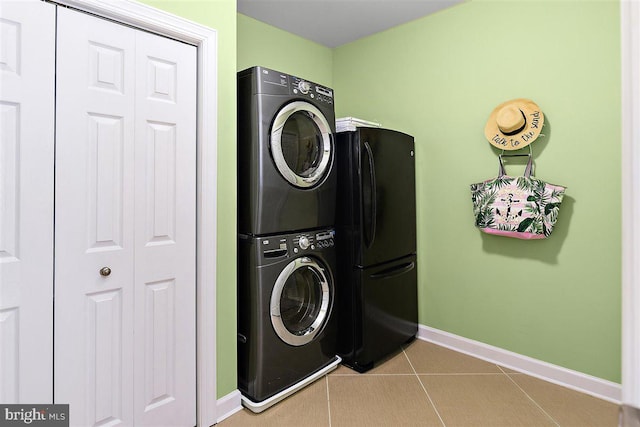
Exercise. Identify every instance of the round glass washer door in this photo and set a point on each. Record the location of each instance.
(301, 144)
(300, 301)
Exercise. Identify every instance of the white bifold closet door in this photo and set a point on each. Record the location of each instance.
(124, 225)
(27, 58)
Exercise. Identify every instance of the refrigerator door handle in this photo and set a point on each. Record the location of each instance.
(394, 271)
(372, 182)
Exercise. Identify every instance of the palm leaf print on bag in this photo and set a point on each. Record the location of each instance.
(543, 206)
(523, 207)
(500, 182)
(482, 198)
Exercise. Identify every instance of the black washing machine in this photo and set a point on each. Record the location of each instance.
(286, 173)
(286, 322)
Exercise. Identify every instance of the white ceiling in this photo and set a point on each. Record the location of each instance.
(335, 22)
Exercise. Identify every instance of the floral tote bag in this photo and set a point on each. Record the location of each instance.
(523, 207)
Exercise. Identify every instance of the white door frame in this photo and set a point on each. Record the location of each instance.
(205, 39)
(630, 26)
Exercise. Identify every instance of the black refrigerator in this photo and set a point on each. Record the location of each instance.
(376, 287)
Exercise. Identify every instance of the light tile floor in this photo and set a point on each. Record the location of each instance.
(428, 385)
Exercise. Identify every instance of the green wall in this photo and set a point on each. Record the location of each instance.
(262, 44)
(221, 15)
(438, 78)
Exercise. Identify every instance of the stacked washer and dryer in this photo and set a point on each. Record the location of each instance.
(287, 333)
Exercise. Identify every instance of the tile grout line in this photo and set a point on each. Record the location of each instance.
(530, 398)
(433, 405)
(326, 377)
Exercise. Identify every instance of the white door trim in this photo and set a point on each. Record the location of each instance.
(205, 39)
(630, 26)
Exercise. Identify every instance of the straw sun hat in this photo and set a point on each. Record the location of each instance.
(514, 124)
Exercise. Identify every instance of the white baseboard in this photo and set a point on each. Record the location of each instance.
(575, 380)
(228, 405)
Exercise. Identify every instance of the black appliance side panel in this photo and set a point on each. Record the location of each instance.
(349, 307)
(247, 156)
(349, 196)
(247, 309)
(388, 195)
(389, 311)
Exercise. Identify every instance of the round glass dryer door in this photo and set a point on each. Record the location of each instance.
(300, 301)
(301, 144)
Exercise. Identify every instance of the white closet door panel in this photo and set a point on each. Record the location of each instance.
(165, 310)
(27, 61)
(94, 222)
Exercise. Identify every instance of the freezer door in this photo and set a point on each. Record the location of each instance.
(387, 201)
(389, 310)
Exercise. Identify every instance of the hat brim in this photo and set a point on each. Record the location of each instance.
(534, 119)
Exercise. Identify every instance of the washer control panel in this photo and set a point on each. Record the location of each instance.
(273, 248)
(313, 240)
(325, 239)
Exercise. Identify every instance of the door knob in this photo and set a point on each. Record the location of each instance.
(105, 271)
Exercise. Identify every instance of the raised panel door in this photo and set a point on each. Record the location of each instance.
(165, 225)
(94, 318)
(125, 200)
(27, 72)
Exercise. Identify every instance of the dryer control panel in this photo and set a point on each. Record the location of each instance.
(305, 89)
(277, 83)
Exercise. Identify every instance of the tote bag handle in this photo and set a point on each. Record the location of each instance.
(528, 169)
